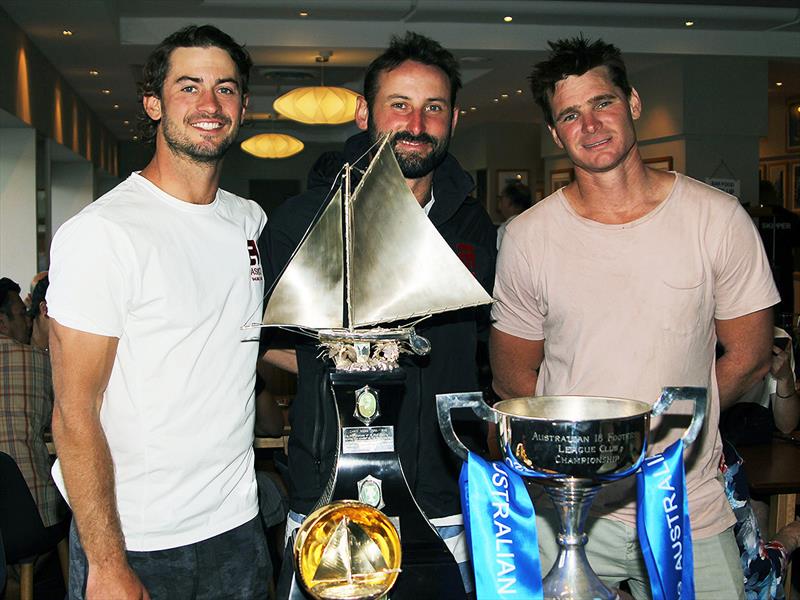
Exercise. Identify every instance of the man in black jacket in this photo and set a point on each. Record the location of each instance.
(410, 90)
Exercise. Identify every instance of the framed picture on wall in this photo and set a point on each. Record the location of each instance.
(776, 175)
(793, 125)
(506, 176)
(662, 163)
(793, 200)
(560, 178)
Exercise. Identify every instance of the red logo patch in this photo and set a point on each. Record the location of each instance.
(466, 252)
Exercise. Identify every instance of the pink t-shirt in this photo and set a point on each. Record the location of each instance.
(628, 309)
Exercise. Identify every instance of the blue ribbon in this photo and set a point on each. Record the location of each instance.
(501, 531)
(662, 521)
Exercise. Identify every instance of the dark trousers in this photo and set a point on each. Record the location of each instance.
(231, 565)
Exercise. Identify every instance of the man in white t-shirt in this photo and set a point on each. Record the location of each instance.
(154, 376)
(620, 284)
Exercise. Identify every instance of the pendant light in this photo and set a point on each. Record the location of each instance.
(272, 145)
(318, 105)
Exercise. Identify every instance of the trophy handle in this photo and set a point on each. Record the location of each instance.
(447, 402)
(697, 394)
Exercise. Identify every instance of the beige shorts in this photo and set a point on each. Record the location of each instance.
(614, 553)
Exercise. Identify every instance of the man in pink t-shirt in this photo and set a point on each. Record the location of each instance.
(621, 284)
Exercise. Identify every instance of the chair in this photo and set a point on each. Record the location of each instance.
(24, 535)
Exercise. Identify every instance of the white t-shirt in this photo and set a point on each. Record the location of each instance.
(174, 282)
(625, 310)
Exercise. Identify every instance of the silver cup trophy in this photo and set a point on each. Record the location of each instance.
(572, 445)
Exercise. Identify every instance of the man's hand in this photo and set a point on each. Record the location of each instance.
(120, 583)
(781, 369)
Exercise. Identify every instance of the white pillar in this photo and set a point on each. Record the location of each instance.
(18, 205)
(71, 189)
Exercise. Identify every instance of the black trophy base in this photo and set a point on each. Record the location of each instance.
(366, 451)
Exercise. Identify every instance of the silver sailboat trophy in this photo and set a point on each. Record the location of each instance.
(369, 268)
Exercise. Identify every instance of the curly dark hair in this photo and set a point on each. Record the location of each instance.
(155, 69)
(416, 47)
(575, 56)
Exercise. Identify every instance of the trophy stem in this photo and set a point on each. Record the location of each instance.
(571, 577)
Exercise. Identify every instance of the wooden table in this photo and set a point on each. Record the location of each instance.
(774, 470)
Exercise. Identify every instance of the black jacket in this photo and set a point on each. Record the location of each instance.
(430, 466)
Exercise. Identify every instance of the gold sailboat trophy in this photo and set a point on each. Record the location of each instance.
(347, 550)
(369, 269)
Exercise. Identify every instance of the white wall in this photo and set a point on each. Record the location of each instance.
(71, 189)
(18, 204)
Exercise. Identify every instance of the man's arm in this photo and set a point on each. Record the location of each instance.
(515, 362)
(747, 342)
(283, 358)
(82, 365)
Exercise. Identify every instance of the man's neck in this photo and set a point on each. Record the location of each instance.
(421, 188)
(621, 195)
(187, 180)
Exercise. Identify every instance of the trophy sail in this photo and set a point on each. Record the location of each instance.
(310, 290)
(400, 268)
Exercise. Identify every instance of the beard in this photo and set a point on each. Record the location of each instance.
(205, 152)
(414, 165)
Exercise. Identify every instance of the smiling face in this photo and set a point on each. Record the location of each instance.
(201, 104)
(413, 101)
(594, 120)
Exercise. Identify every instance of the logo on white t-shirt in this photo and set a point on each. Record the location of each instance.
(256, 273)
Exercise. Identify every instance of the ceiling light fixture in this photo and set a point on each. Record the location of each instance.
(495, 99)
(508, 19)
(473, 108)
(105, 92)
(272, 145)
(318, 105)
(126, 123)
(689, 23)
(303, 13)
(116, 107)
(779, 83)
(504, 95)
(94, 72)
(519, 92)
(66, 32)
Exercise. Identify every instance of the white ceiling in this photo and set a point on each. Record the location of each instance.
(115, 36)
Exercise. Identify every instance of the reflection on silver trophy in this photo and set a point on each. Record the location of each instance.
(572, 445)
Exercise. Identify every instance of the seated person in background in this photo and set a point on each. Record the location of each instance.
(514, 200)
(26, 404)
(771, 403)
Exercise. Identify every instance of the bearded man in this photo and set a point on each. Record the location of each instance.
(410, 90)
